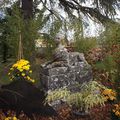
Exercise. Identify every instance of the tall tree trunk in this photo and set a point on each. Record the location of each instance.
(27, 7)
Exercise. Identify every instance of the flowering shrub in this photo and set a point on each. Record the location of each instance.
(109, 94)
(116, 110)
(21, 69)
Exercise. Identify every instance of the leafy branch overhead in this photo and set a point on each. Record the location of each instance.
(101, 10)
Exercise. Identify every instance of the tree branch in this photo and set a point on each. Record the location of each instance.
(52, 11)
(93, 12)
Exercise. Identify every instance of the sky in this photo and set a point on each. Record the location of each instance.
(1, 1)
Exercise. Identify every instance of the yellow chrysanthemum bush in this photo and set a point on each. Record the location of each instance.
(21, 69)
(109, 94)
(116, 110)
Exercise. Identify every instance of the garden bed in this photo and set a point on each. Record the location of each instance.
(65, 113)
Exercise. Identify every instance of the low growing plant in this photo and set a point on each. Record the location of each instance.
(58, 94)
(91, 95)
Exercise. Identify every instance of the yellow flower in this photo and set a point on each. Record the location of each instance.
(113, 110)
(14, 118)
(11, 68)
(21, 68)
(116, 105)
(19, 64)
(109, 94)
(116, 109)
(8, 73)
(117, 113)
(11, 118)
(32, 80)
(24, 61)
(8, 118)
(23, 74)
(26, 67)
(107, 91)
(28, 77)
(30, 71)
(112, 98)
(15, 65)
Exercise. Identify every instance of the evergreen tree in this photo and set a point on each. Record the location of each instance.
(102, 10)
(3, 41)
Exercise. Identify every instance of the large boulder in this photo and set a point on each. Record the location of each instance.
(21, 95)
(67, 69)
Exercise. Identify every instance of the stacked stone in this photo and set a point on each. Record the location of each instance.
(68, 69)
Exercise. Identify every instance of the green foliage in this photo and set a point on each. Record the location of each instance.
(4, 79)
(92, 94)
(76, 99)
(111, 36)
(30, 33)
(58, 94)
(108, 64)
(85, 44)
(81, 44)
(4, 46)
(89, 96)
(110, 41)
(15, 25)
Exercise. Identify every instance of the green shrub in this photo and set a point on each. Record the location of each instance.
(85, 44)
